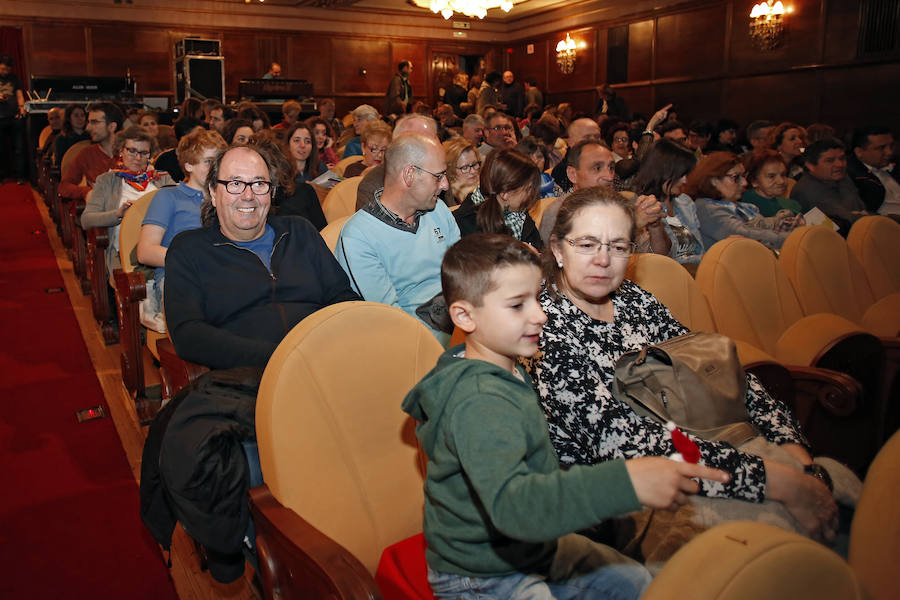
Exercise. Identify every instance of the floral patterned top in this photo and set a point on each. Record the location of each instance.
(573, 374)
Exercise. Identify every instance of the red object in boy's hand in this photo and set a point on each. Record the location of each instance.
(683, 444)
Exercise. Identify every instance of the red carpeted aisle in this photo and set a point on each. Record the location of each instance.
(69, 521)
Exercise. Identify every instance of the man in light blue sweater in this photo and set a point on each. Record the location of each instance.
(393, 247)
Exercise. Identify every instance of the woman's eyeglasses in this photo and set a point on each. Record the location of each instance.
(377, 149)
(736, 177)
(469, 168)
(136, 152)
(591, 246)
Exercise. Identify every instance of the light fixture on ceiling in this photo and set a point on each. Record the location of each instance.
(565, 55)
(469, 8)
(767, 24)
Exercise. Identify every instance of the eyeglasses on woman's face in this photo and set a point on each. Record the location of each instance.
(237, 187)
(469, 168)
(376, 149)
(136, 153)
(591, 246)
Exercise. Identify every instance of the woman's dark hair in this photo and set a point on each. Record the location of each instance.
(504, 171)
(311, 168)
(190, 107)
(282, 167)
(252, 113)
(565, 220)
(231, 127)
(711, 166)
(759, 159)
(665, 163)
(313, 121)
(530, 144)
(609, 128)
(67, 122)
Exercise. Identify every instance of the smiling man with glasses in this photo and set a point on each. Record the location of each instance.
(236, 287)
(498, 134)
(392, 248)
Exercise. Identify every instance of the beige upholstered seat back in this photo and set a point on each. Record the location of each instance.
(342, 164)
(45, 134)
(742, 560)
(537, 211)
(331, 232)
(825, 274)
(341, 200)
(674, 287)
(875, 532)
(750, 296)
(334, 445)
(71, 154)
(876, 243)
(130, 229)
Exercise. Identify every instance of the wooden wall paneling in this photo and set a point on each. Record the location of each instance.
(781, 97)
(525, 65)
(600, 55)
(690, 42)
(861, 95)
(841, 30)
(373, 55)
(583, 101)
(638, 99)
(583, 77)
(269, 49)
(57, 49)
(692, 99)
(640, 50)
(239, 51)
(142, 50)
(800, 45)
(311, 59)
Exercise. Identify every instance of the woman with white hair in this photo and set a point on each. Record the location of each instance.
(362, 114)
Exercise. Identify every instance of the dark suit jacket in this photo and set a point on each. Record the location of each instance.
(871, 190)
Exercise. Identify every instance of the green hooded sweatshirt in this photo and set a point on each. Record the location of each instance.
(496, 499)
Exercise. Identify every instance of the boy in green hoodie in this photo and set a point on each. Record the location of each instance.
(499, 510)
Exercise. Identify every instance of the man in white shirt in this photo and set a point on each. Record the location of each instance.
(871, 170)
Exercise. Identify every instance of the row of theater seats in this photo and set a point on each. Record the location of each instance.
(340, 513)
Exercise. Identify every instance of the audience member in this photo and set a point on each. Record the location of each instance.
(259, 120)
(825, 185)
(290, 112)
(580, 129)
(510, 182)
(375, 139)
(725, 137)
(869, 167)
(392, 248)
(115, 191)
(173, 210)
(291, 196)
(362, 114)
(489, 93)
(615, 134)
(662, 175)
(767, 175)
(789, 140)
(699, 134)
(218, 115)
(104, 122)
(512, 94)
(190, 118)
(473, 129)
(463, 171)
(456, 93)
(300, 147)
(73, 131)
(470, 105)
(536, 150)
(236, 287)
(610, 104)
(491, 467)
(716, 185)
(326, 111)
(673, 130)
(55, 120)
(758, 133)
(819, 131)
(533, 94)
(238, 131)
(499, 133)
(324, 136)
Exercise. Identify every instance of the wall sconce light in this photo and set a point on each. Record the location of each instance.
(565, 55)
(767, 24)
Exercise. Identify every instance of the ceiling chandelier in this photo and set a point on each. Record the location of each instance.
(469, 8)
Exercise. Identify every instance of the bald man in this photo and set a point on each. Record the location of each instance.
(392, 249)
(373, 178)
(579, 129)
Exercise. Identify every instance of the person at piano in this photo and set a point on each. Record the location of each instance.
(130, 177)
(274, 71)
(73, 131)
(104, 122)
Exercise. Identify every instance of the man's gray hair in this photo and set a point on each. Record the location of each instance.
(366, 112)
(474, 121)
(208, 215)
(407, 149)
(405, 124)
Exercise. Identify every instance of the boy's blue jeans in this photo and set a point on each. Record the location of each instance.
(580, 569)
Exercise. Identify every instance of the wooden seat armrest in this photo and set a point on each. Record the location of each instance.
(98, 237)
(176, 372)
(131, 286)
(838, 393)
(296, 560)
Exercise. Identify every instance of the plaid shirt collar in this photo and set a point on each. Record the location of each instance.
(383, 214)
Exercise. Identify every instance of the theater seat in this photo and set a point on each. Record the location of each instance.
(752, 300)
(341, 200)
(875, 241)
(342, 468)
(537, 211)
(61, 204)
(342, 164)
(811, 393)
(331, 232)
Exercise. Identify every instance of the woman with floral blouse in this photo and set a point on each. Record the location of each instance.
(595, 316)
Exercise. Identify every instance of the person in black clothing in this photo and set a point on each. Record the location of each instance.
(513, 94)
(235, 288)
(869, 168)
(510, 183)
(456, 93)
(12, 122)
